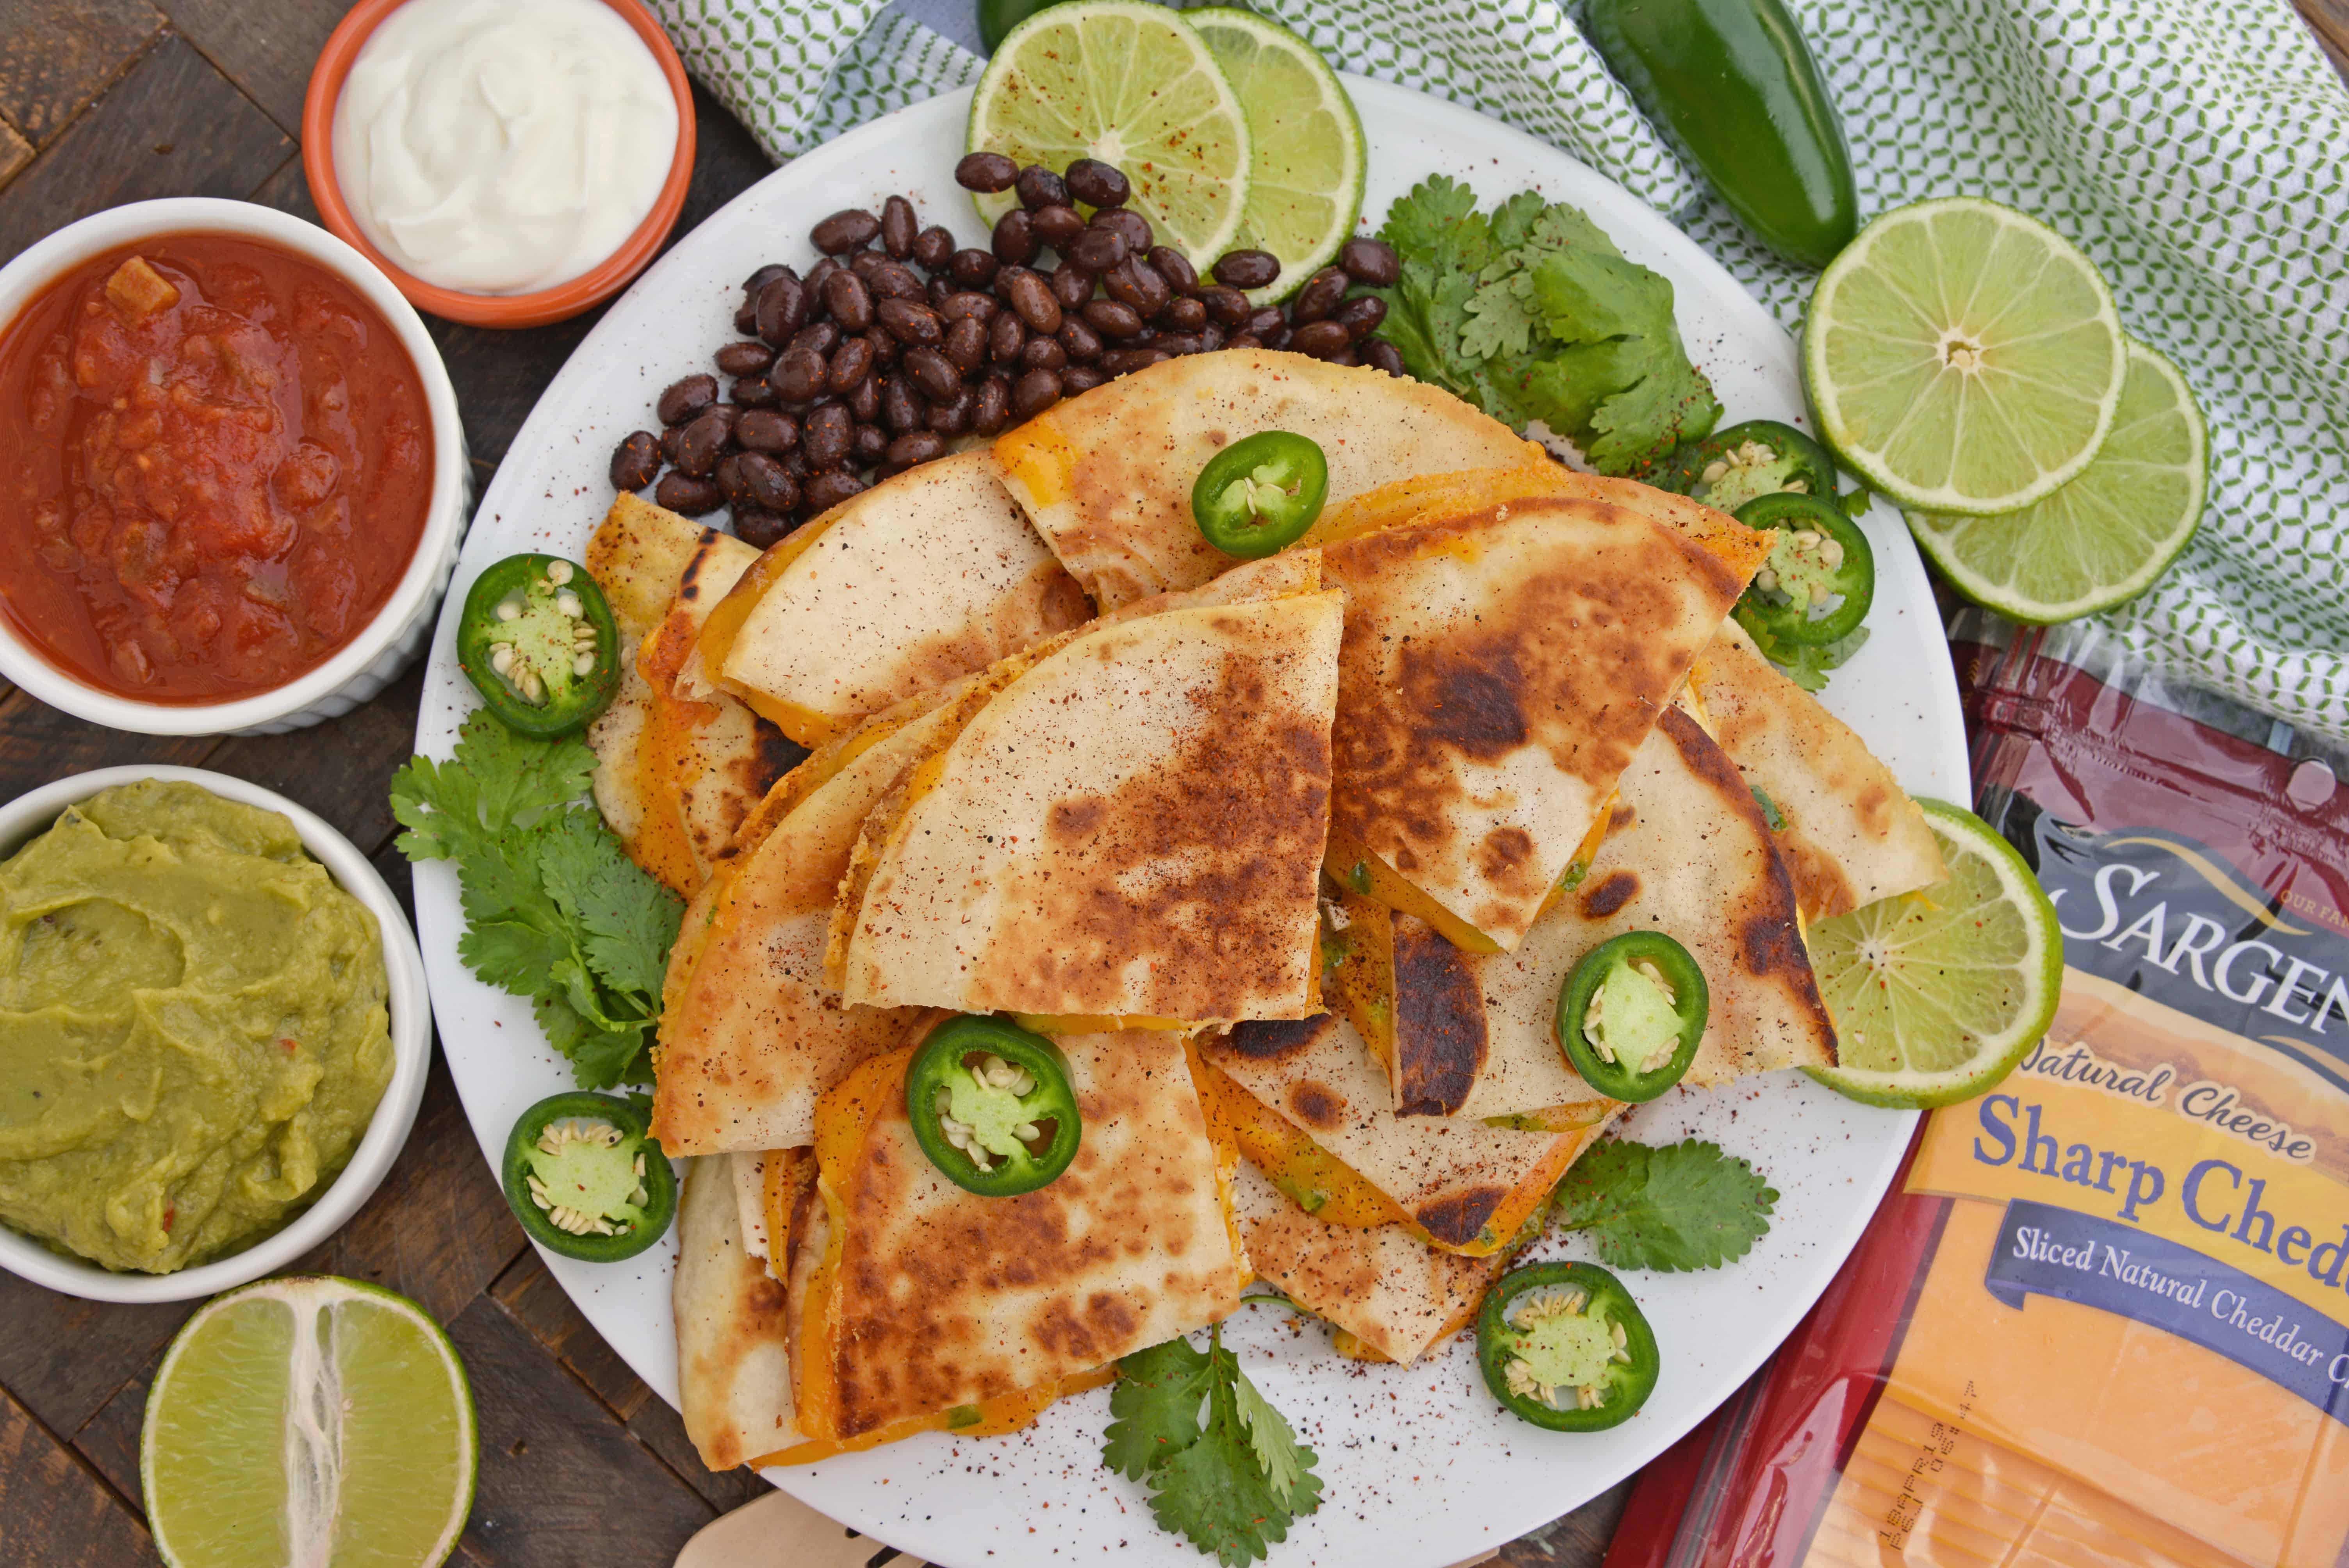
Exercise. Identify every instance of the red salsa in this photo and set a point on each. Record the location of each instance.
(217, 463)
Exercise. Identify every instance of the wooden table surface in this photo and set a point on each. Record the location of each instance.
(108, 102)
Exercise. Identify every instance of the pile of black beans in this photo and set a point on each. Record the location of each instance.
(897, 346)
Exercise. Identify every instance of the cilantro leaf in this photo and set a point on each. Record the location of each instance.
(1648, 397)
(1154, 1407)
(1436, 222)
(1278, 1452)
(629, 919)
(1683, 1206)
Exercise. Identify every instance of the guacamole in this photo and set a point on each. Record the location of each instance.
(193, 1028)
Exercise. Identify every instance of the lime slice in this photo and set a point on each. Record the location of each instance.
(1305, 185)
(309, 1420)
(1936, 995)
(1129, 84)
(1963, 357)
(2105, 536)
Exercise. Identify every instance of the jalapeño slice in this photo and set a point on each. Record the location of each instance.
(585, 1179)
(538, 642)
(1820, 579)
(1631, 1014)
(1562, 1346)
(992, 1106)
(1258, 495)
(1758, 458)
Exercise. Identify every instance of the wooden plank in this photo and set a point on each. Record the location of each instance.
(2329, 20)
(58, 54)
(532, 1297)
(265, 47)
(561, 1479)
(64, 1357)
(109, 1441)
(1577, 1539)
(341, 769)
(38, 743)
(59, 1514)
(14, 153)
(660, 1428)
(172, 126)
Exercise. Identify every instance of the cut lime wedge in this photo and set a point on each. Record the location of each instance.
(1129, 84)
(1963, 357)
(1936, 995)
(1305, 185)
(2107, 535)
(309, 1420)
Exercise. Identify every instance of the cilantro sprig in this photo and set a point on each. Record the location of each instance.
(1531, 313)
(554, 910)
(1224, 1467)
(1673, 1208)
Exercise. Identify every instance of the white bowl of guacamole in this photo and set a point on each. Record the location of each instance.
(213, 1033)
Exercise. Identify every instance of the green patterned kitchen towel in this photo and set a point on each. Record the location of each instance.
(2196, 148)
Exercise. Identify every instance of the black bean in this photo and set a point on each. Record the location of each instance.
(1346, 357)
(816, 336)
(1247, 269)
(760, 529)
(669, 441)
(898, 227)
(763, 276)
(746, 317)
(1318, 339)
(1006, 335)
(912, 324)
(824, 438)
(972, 269)
(1031, 296)
(1372, 261)
(799, 375)
(1056, 226)
(1243, 340)
(828, 489)
(637, 461)
(849, 300)
(1136, 282)
(844, 231)
(864, 400)
(729, 475)
(1322, 293)
(745, 358)
(1361, 317)
(933, 373)
(900, 411)
(1227, 305)
(965, 344)
(766, 431)
(916, 446)
(1039, 188)
(1080, 340)
(1113, 318)
(952, 416)
(1211, 338)
(1015, 238)
(937, 290)
(991, 410)
(1121, 361)
(1278, 338)
(1178, 343)
(987, 172)
(704, 443)
(1097, 248)
(891, 280)
(979, 308)
(1184, 314)
(865, 263)
(1129, 222)
(932, 247)
(688, 496)
(884, 347)
(1035, 391)
(682, 399)
(1081, 379)
(752, 392)
(849, 365)
(1175, 268)
(1043, 353)
(1264, 323)
(813, 282)
(867, 444)
(1097, 185)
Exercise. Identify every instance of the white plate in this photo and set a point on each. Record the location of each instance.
(1419, 1465)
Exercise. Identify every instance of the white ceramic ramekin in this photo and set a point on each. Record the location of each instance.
(29, 816)
(373, 659)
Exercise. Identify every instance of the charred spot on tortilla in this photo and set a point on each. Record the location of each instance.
(1771, 946)
(1268, 1040)
(1608, 897)
(1076, 819)
(1467, 699)
(1317, 1107)
(1440, 1033)
(1459, 1219)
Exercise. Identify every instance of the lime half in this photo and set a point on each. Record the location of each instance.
(1305, 185)
(309, 1420)
(2108, 535)
(1936, 995)
(1963, 357)
(1129, 84)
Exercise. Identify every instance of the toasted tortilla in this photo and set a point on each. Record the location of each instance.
(753, 1031)
(1469, 1187)
(1106, 476)
(1392, 1292)
(1129, 828)
(1852, 835)
(733, 1367)
(928, 575)
(1500, 667)
(931, 1298)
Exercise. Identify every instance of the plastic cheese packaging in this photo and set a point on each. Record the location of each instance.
(2103, 1315)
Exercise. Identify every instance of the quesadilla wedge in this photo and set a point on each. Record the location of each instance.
(1390, 1294)
(1499, 668)
(1431, 495)
(1106, 476)
(1852, 836)
(1128, 831)
(678, 764)
(733, 1366)
(928, 575)
(921, 1306)
(1459, 1185)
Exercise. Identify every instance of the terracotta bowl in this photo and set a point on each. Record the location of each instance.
(590, 288)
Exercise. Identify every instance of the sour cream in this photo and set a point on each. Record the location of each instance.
(502, 149)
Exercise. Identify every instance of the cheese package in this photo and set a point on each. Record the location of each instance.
(2103, 1315)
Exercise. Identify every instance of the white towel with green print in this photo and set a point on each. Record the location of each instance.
(2196, 148)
